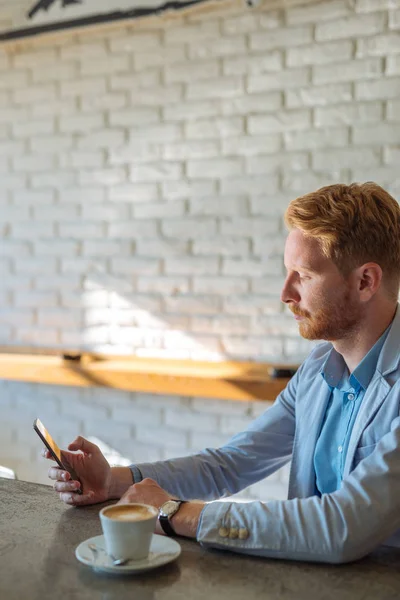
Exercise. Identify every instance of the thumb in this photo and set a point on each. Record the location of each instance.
(80, 443)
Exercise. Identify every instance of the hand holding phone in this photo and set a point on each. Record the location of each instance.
(54, 450)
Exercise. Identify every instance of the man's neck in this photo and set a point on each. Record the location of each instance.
(362, 339)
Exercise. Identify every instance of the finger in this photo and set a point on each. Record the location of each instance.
(74, 499)
(70, 486)
(47, 454)
(58, 474)
(80, 443)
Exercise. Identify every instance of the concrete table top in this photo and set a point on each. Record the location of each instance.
(39, 534)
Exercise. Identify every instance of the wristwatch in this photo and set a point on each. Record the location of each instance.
(166, 512)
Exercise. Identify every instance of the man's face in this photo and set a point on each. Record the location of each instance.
(324, 303)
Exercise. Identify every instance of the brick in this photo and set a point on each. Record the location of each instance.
(347, 114)
(319, 54)
(219, 285)
(169, 286)
(350, 27)
(374, 90)
(34, 197)
(169, 56)
(13, 114)
(32, 163)
(157, 96)
(56, 72)
(137, 81)
(247, 23)
(249, 184)
(190, 420)
(110, 102)
(79, 230)
(72, 283)
(220, 206)
(324, 138)
(253, 347)
(279, 121)
(251, 145)
(318, 12)
(391, 155)
(254, 103)
(382, 175)
(11, 148)
(192, 71)
(191, 149)
(103, 138)
(161, 436)
(196, 305)
(51, 144)
(191, 111)
(191, 33)
(54, 109)
(222, 87)
(142, 266)
(303, 183)
(104, 248)
(357, 69)
(135, 116)
(378, 45)
(172, 190)
(35, 94)
(13, 80)
(79, 195)
(25, 231)
(79, 51)
(165, 132)
(160, 247)
(89, 86)
(25, 129)
(191, 265)
(82, 159)
(281, 38)
(211, 169)
(55, 248)
(17, 318)
(393, 110)
(15, 249)
(278, 81)
(260, 165)
(339, 159)
(394, 17)
(222, 46)
(107, 177)
(214, 128)
(157, 171)
(35, 299)
(136, 152)
(131, 230)
(105, 212)
(251, 306)
(134, 192)
(366, 6)
(267, 204)
(250, 267)
(81, 124)
(189, 228)
(105, 65)
(59, 318)
(232, 425)
(393, 65)
(132, 43)
(159, 210)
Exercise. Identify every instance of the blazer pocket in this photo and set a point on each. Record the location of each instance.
(362, 452)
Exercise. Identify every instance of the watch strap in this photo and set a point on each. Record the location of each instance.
(165, 520)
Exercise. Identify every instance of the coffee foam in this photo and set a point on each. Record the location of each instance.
(129, 512)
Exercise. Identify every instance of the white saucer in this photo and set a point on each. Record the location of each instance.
(162, 551)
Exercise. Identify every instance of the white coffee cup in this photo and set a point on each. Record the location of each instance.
(128, 529)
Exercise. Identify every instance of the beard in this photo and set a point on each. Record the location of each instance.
(335, 318)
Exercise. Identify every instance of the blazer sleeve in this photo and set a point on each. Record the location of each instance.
(336, 528)
(245, 459)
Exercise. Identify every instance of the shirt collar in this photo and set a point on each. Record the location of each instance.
(334, 368)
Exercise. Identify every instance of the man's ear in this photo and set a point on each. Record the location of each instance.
(369, 277)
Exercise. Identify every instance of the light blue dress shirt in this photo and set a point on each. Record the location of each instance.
(347, 393)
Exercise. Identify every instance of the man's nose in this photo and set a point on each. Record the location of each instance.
(289, 294)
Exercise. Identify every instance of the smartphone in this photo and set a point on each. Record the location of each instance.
(53, 449)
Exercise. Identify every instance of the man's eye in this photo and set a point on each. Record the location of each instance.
(303, 277)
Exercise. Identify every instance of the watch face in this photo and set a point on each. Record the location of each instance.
(169, 508)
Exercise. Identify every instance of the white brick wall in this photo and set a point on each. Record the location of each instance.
(144, 174)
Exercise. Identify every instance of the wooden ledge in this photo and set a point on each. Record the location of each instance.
(226, 380)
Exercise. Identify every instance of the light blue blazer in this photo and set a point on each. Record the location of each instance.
(338, 527)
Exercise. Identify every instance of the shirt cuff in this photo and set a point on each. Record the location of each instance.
(136, 473)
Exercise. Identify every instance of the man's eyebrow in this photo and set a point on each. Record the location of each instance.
(299, 268)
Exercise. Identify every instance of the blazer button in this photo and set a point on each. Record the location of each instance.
(223, 532)
(243, 534)
(233, 533)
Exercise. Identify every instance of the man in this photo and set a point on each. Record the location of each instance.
(337, 420)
